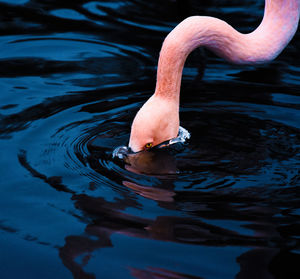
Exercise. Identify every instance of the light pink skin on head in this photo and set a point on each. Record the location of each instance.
(158, 119)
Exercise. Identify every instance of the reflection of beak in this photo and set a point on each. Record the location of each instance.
(156, 194)
(153, 161)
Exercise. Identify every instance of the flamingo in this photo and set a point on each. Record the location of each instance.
(158, 119)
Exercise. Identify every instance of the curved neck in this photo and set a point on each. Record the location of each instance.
(262, 45)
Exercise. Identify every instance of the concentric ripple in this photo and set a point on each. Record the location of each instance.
(257, 153)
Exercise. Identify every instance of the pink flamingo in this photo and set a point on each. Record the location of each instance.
(158, 119)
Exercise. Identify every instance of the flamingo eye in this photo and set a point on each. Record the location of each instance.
(148, 145)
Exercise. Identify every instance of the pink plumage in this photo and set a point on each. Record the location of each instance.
(158, 119)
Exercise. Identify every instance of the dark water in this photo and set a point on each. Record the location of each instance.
(72, 76)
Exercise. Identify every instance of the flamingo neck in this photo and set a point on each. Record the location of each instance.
(277, 28)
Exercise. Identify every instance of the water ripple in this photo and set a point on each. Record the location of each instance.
(72, 77)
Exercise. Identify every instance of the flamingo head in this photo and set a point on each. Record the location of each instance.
(157, 121)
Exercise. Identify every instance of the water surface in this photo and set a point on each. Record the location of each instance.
(72, 75)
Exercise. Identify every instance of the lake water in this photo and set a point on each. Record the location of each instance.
(225, 205)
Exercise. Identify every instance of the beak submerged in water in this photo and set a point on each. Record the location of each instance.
(155, 160)
(122, 152)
